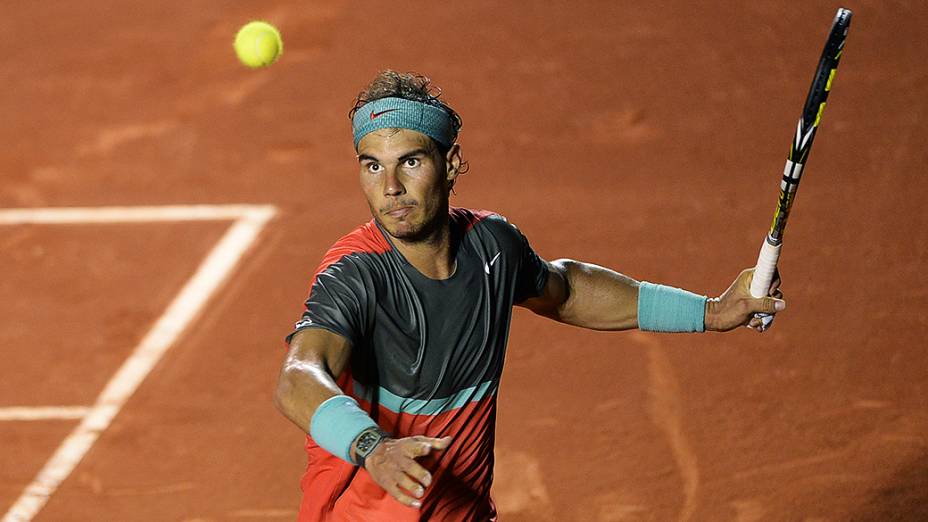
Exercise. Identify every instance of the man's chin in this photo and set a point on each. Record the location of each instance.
(402, 230)
(408, 235)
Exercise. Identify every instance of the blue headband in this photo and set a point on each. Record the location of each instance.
(399, 113)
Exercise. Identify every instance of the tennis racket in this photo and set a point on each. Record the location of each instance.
(799, 154)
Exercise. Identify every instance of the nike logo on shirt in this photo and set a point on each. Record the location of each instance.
(486, 266)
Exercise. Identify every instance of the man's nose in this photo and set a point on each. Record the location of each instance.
(392, 185)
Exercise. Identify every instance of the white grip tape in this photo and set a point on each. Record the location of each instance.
(763, 276)
(766, 266)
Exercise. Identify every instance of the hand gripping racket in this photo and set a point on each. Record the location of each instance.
(799, 154)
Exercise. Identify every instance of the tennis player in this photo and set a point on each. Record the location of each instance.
(394, 367)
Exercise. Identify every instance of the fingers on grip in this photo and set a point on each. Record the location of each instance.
(775, 282)
(760, 322)
(772, 305)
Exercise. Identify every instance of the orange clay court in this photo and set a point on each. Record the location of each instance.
(141, 334)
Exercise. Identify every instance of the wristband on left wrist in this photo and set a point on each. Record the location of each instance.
(337, 423)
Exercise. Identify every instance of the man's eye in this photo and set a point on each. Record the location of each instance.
(374, 167)
(413, 162)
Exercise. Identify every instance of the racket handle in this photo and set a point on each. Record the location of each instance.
(766, 267)
(763, 275)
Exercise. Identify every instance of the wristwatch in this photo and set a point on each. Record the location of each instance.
(367, 441)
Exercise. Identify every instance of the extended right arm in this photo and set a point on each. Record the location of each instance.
(307, 378)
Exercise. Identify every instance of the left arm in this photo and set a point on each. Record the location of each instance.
(591, 296)
(587, 295)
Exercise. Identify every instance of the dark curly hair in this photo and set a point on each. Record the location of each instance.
(409, 86)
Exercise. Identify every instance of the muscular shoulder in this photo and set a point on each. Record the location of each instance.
(366, 239)
(342, 288)
(489, 225)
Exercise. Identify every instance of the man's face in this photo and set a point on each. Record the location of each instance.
(406, 181)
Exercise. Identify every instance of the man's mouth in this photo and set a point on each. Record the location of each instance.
(400, 212)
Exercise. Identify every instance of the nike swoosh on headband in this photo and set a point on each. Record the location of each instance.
(375, 115)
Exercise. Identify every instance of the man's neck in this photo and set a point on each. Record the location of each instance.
(432, 256)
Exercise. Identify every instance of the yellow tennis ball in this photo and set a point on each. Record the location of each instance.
(258, 44)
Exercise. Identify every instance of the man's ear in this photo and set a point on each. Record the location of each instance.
(453, 163)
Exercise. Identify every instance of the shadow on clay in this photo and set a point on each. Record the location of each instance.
(903, 498)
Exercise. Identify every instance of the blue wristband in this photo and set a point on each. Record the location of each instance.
(668, 309)
(337, 422)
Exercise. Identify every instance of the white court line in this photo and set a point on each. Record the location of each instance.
(79, 215)
(250, 219)
(34, 413)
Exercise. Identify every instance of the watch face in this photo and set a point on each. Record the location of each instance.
(367, 441)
